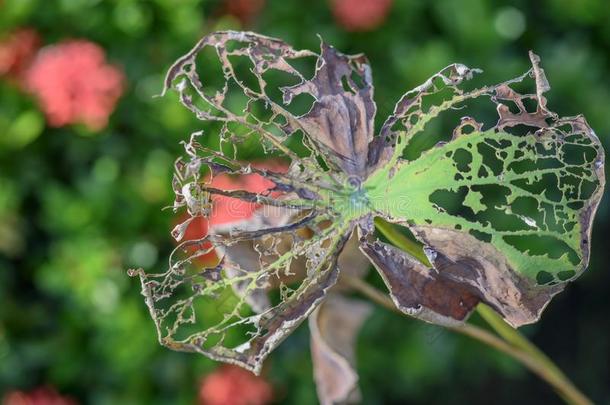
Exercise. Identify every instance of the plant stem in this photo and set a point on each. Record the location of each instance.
(512, 342)
(513, 337)
(516, 339)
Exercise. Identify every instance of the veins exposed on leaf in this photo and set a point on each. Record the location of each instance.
(503, 209)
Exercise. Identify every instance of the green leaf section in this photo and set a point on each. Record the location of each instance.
(526, 195)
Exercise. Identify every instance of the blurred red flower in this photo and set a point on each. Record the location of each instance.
(232, 385)
(38, 396)
(74, 84)
(360, 15)
(228, 210)
(17, 51)
(244, 10)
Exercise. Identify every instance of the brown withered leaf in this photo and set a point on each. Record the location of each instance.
(342, 117)
(419, 291)
(334, 326)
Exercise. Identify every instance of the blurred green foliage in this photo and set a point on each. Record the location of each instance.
(77, 208)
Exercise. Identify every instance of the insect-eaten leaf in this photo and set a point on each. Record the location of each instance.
(502, 203)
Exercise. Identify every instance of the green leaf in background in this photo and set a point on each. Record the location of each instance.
(22, 130)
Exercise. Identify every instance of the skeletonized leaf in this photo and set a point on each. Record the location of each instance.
(338, 123)
(260, 292)
(247, 326)
(504, 208)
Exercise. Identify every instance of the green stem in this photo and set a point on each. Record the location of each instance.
(515, 338)
(512, 336)
(513, 343)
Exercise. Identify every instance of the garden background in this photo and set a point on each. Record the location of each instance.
(84, 178)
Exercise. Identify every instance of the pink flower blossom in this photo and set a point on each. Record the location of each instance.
(232, 385)
(17, 51)
(74, 84)
(360, 15)
(38, 396)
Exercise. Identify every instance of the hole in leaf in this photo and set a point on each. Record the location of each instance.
(544, 277)
(539, 245)
(482, 236)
